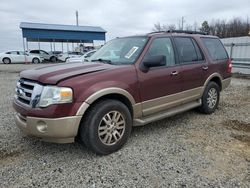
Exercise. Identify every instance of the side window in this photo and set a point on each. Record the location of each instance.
(200, 56)
(215, 48)
(188, 50)
(13, 53)
(162, 46)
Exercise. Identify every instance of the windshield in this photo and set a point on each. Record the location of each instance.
(120, 50)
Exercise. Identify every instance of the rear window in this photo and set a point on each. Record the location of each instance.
(215, 48)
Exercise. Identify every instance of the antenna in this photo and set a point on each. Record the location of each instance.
(77, 24)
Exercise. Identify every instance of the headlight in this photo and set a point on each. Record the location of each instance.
(55, 95)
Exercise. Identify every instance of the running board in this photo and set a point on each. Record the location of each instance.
(167, 113)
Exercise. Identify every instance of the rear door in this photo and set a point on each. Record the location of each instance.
(14, 56)
(159, 85)
(194, 67)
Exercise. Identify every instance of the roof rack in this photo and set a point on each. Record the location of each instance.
(181, 31)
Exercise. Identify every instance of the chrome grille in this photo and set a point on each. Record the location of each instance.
(28, 92)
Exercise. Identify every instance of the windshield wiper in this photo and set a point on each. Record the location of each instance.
(102, 60)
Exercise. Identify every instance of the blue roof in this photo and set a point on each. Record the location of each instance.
(29, 25)
(61, 33)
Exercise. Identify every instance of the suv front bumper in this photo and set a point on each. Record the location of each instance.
(57, 130)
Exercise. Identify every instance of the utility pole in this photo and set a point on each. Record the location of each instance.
(77, 24)
(182, 22)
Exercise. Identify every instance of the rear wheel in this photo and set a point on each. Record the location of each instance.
(210, 98)
(6, 60)
(35, 60)
(106, 127)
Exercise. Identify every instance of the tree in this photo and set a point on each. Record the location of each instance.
(161, 27)
(205, 27)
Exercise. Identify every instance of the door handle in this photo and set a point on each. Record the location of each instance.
(205, 68)
(174, 73)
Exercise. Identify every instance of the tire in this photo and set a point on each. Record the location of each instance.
(53, 59)
(210, 98)
(6, 60)
(95, 132)
(35, 60)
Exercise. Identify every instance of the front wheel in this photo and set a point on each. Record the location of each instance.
(35, 60)
(106, 127)
(53, 59)
(210, 98)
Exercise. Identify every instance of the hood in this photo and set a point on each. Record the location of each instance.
(56, 73)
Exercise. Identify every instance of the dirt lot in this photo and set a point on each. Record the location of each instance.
(188, 150)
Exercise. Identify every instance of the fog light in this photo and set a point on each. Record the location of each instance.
(42, 127)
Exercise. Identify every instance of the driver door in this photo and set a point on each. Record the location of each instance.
(159, 85)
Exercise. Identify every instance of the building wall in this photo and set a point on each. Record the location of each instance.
(238, 49)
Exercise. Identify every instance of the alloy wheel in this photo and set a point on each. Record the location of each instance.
(212, 98)
(111, 128)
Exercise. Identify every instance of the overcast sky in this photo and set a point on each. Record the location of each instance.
(118, 17)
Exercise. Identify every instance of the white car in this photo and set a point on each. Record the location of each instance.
(67, 55)
(45, 55)
(19, 57)
(82, 58)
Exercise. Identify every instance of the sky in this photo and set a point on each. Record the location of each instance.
(117, 17)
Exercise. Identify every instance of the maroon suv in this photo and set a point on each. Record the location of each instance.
(130, 81)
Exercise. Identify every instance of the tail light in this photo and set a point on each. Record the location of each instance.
(229, 68)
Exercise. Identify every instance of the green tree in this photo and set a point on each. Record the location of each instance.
(205, 27)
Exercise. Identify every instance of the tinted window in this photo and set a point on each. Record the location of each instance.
(34, 52)
(215, 48)
(188, 50)
(162, 46)
(200, 56)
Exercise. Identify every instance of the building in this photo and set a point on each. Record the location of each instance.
(238, 49)
(65, 34)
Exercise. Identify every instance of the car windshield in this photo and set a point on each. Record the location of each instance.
(120, 50)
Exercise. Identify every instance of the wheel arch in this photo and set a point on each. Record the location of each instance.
(215, 77)
(6, 58)
(108, 93)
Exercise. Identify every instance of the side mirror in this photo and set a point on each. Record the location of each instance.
(153, 61)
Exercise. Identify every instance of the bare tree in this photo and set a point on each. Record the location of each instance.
(161, 27)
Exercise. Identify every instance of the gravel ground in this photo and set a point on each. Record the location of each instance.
(187, 150)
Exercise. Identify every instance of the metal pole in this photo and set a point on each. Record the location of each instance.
(77, 18)
(27, 46)
(51, 46)
(54, 45)
(24, 51)
(38, 44)
(231, 50)
(67, 46)
(182, 22)
(62, 46)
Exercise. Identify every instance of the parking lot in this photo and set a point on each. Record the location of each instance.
(187, 150)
